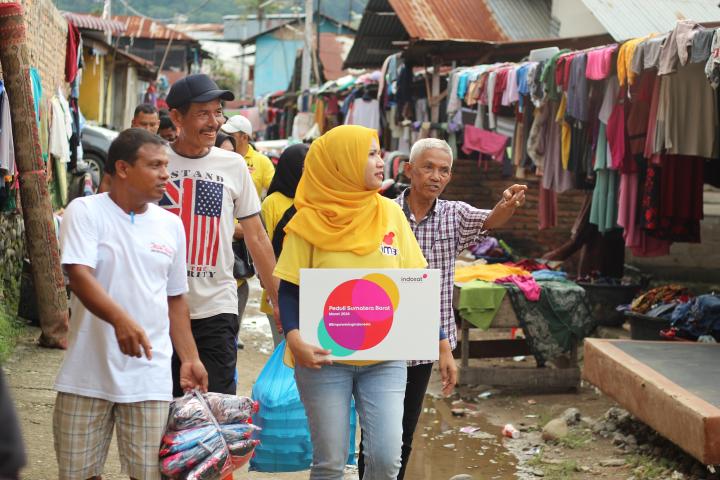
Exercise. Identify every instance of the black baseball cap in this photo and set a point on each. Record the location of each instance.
(195, 88)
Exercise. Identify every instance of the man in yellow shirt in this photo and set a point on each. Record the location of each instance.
(261, 172)
(260, 166)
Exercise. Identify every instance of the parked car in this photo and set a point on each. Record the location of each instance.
(95, 144)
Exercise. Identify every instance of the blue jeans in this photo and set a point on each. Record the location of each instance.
(379, 391)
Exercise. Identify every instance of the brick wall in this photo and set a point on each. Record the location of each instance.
(46, 39)
(483, 189)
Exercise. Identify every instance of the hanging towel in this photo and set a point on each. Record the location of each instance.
(484, 141)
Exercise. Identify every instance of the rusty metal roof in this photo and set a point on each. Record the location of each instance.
(448, 20)
(141, 27)
(389, 25)
(91, 22)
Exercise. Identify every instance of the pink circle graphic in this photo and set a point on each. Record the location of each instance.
(358, 314)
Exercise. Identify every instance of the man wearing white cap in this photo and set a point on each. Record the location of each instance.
(260, 166)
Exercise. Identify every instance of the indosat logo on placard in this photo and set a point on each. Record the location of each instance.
(358, 314)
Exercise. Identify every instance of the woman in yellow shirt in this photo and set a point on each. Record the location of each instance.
(342, 222)
(276, 205)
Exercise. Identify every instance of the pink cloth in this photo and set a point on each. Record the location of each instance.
(599, 63)
(484, 141)
(525, 283)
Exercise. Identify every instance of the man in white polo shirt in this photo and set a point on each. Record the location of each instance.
(125, 258)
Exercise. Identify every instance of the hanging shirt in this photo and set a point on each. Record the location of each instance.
(675, 48)
(7, 149)
(624, 60)
(701, 42)
(578, 88)
(37, 90)
(511, 94)
(365, 113)
(60, 130)
(484, 141)
(599, 63)
(712, 66)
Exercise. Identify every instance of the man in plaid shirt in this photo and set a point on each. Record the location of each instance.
(443, 229)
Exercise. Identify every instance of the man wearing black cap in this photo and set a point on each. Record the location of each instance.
(209, 188)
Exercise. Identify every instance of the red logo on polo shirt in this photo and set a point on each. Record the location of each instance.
(386, 247)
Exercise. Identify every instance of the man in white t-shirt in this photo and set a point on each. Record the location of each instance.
(209, 188)
(125, 258)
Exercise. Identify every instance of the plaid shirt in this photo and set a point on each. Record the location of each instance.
(448, 229)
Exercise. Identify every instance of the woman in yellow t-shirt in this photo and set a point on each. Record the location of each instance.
(342, 222)
(276, 205)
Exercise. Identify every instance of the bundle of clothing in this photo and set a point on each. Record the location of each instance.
(698, 319)
(635, 123)
(552, 311)
(208, 436)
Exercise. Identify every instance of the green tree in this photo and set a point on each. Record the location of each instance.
(226, 79)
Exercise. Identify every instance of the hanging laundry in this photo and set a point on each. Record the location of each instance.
(599, 63)
(712, 66)
(60, 129)
(37, 90)
(365, 112)
(486, 142)
(71, 52)
(7, 149)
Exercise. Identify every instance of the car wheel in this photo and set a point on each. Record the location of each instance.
(95, 166)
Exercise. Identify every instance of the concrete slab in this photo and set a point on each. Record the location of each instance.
(672, 386)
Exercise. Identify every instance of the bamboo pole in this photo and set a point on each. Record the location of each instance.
(41, 241)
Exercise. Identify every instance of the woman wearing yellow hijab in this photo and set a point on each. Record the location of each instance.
(342, 222)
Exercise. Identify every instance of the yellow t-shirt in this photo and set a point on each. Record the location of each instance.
(273, 208)
(261, 169)
(398, 248)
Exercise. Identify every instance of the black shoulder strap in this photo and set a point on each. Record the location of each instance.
(279, 232)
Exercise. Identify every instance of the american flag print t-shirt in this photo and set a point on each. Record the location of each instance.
(208, 193)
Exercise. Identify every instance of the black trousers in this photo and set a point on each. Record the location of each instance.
(418, 378)
(216, 340)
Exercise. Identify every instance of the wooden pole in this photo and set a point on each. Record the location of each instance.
(41, 241)
(435, 100)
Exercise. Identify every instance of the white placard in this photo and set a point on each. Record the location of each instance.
(366, 314)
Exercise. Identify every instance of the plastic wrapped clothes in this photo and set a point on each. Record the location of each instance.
(207, 436)
(177, 463)
(173, 442)
(188, 411)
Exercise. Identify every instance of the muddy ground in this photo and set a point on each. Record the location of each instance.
(441, 449)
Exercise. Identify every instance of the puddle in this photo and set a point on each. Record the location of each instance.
(441, 450)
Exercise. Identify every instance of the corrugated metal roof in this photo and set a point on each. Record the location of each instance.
(91, 22)
(388, 21)
(523, 19)
(448, 20)
(141, 27)
(636, 18)
(379, 28)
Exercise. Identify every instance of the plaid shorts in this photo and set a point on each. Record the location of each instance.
(83, 428)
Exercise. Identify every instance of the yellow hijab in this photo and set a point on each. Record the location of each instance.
(335, 210)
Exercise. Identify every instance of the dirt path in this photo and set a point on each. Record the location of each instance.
(440, 451)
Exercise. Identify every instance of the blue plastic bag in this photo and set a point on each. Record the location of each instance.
(285, 444)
